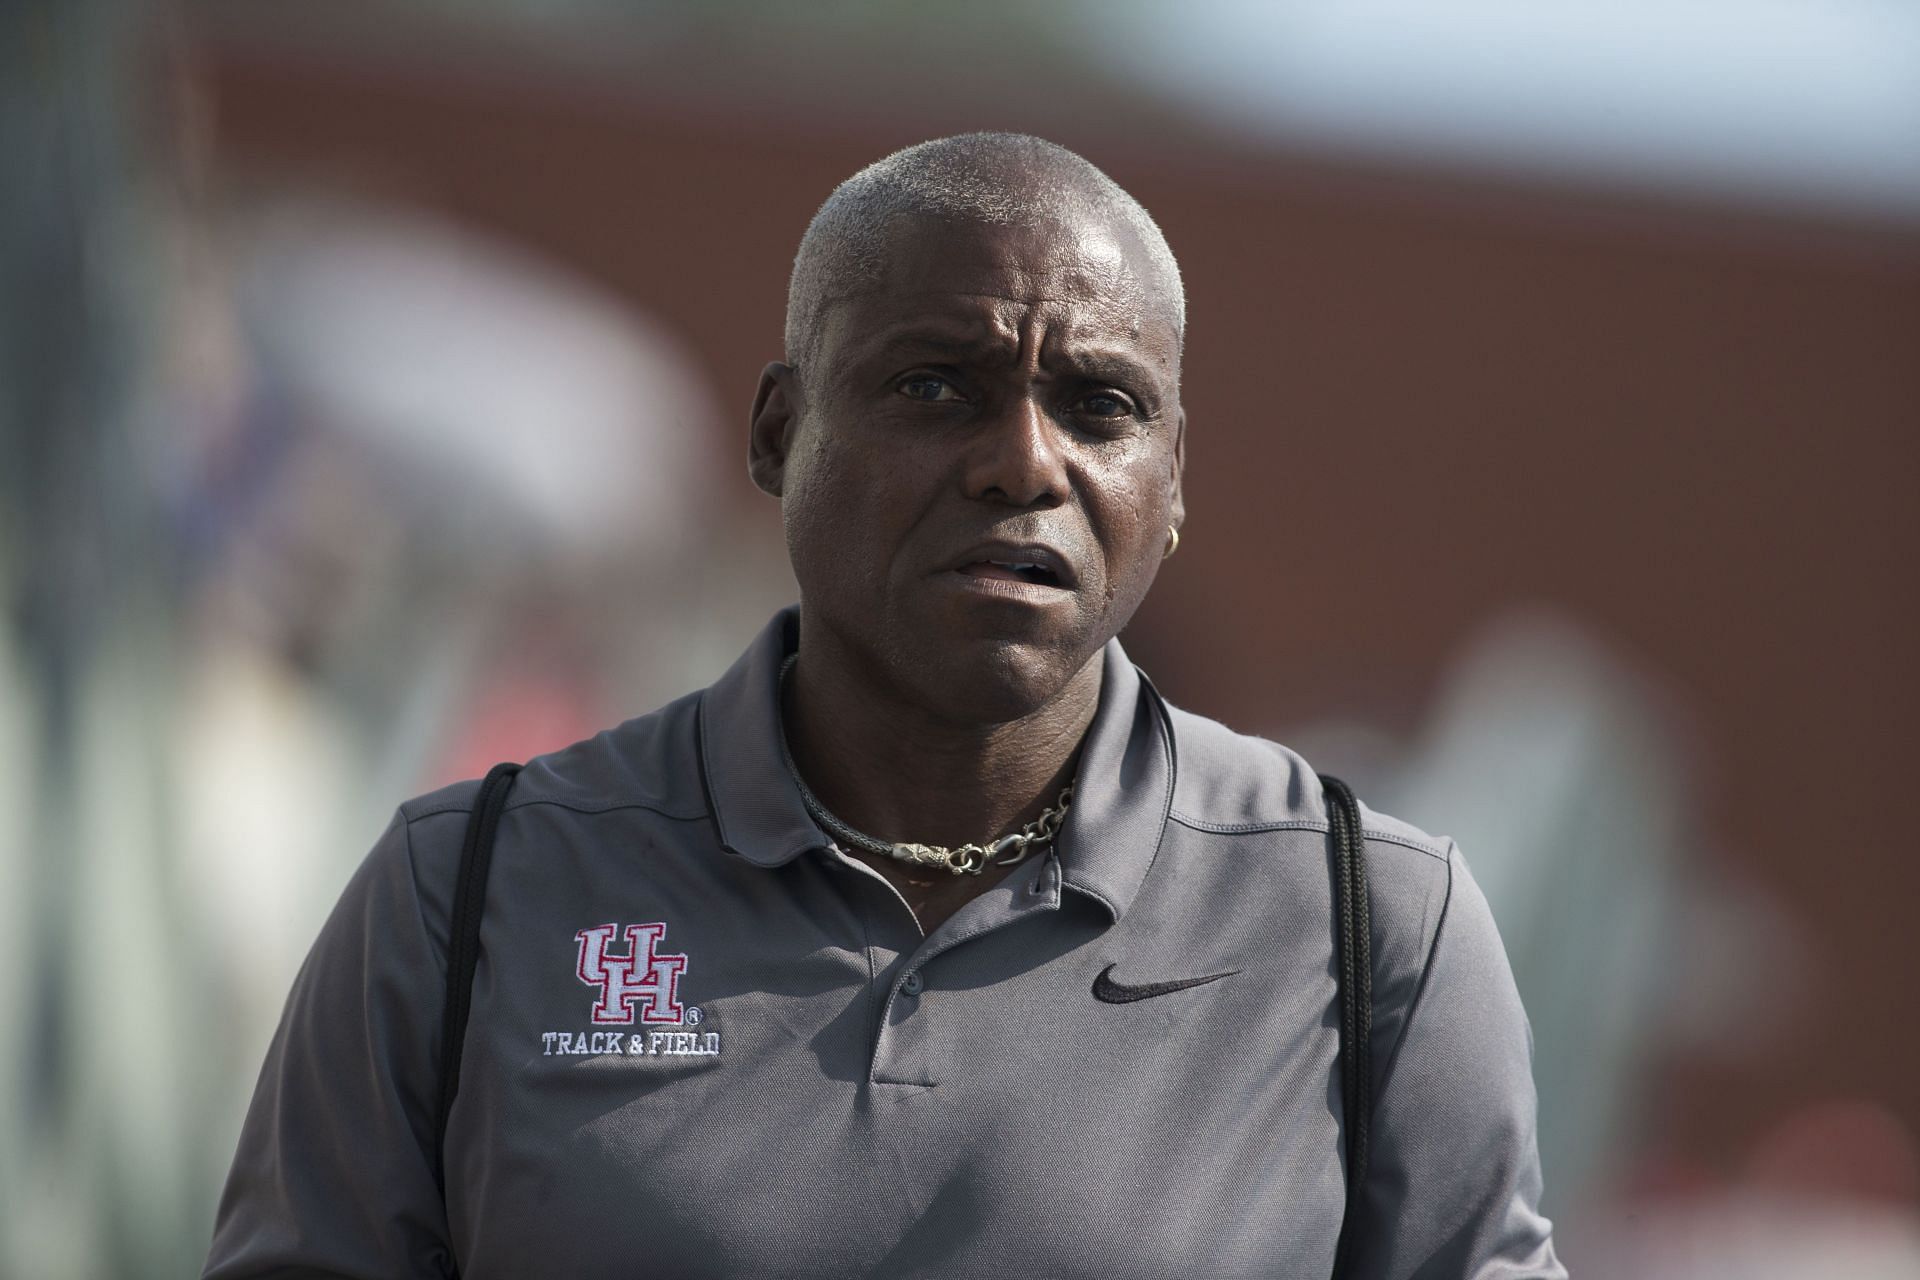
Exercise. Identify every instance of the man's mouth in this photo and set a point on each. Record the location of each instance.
(1011, 571)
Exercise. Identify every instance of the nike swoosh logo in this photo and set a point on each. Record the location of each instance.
(1105, 988)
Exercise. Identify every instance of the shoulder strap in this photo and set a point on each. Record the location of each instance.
(1353, 930)
(463, 945)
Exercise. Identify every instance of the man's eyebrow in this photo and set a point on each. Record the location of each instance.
(1114, 364)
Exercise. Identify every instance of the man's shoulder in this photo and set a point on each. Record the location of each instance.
(649, 762)
(1231, 783)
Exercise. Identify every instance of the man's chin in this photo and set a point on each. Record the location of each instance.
(996, 680)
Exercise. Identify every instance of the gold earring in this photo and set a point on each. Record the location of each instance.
(1173, 543)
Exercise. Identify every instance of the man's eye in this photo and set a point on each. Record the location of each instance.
(1103, 405)
(924, 386)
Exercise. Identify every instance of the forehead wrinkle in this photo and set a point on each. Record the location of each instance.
(1045, 327)
(1116, 307)
(1013, 272)
(1079, 264)
(975, 330)
(1006, 301)
(1004, 323)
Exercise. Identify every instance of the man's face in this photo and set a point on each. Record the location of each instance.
(978, 468)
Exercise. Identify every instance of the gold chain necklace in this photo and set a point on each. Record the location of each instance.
(968, 859)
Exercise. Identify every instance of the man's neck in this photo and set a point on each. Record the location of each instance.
(896, 771)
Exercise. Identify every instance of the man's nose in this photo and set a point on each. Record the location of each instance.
(1017, 457)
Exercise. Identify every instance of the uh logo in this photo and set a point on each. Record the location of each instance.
(643, 983)
(642, 974)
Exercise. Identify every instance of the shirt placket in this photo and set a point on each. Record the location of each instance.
(904, 1049)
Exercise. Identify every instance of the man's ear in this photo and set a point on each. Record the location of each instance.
(1177, 508)
(770, 426)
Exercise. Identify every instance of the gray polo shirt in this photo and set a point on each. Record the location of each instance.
(705, 1043)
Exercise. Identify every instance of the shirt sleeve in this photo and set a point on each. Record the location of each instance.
(1453, 1185)
(334, 1172)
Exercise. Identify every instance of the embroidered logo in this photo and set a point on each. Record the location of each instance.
(642, 974)
(642, 984)
(1106, 989)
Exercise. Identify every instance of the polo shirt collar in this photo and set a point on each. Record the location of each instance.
(756, 808)
(1123, 791)
(1121, 795)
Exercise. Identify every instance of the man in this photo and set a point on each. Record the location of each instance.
(765, 987)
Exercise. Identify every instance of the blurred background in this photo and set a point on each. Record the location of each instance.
(373, 387)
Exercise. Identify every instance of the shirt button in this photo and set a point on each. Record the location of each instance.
(913, 984)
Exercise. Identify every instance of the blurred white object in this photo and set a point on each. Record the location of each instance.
(1563, 776)
(519, 398)
(1771, 99)
(1551, 765)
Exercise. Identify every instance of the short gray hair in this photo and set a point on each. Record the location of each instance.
(977, 177)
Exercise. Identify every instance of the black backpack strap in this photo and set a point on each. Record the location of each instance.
(1353, 930)
(463, 945)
